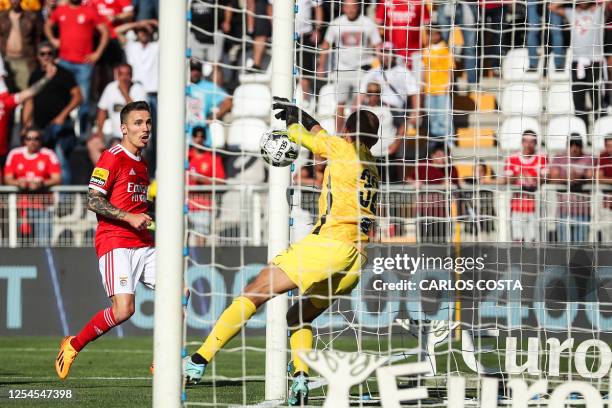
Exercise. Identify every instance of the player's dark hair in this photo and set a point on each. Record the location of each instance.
(133, 106)
(364, 125)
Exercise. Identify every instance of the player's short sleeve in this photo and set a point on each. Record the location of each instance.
(104, 174)
(96, 18)
(321, 144)
(54, 17)
(52, 162)
(9, 166)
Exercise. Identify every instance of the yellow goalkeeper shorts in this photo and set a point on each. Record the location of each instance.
(322, 268)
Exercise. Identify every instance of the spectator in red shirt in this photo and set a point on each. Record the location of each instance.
(525, 170)
(114, 13)
(401, 23)
(77, 21)
(434, 173)
(604, 175)
(9, 101)
(33, 169)
(204, 168)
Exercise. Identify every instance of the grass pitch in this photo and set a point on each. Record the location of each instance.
(114, 372)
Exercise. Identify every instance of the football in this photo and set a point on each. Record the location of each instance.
(276, 148)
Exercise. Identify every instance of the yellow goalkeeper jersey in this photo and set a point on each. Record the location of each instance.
(349, 196)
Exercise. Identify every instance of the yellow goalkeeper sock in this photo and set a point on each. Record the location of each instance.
(229, 324)
(301, 340)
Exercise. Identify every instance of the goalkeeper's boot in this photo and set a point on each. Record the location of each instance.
(65, 357)
(193, 372)
(298, 393)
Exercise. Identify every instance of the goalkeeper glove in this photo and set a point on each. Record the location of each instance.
(291, 114)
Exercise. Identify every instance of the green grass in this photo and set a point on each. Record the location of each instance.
(114, 372)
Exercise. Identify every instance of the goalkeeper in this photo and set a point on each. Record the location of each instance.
(327, 263)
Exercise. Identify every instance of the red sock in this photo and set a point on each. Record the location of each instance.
(102, 322)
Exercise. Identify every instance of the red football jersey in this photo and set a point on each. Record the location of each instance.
(204, 164)
(124, 179)
(109, 9)
(402, 21)
(32, 167)
(525, 172)
(8, 102)
(38, 166)
(76, 23)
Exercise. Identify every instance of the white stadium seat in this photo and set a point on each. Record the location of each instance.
(560, 128)
(559, 99)
(245, 134)
(511, 131)
(602, 127)
(252, 101)
(515, 65)
(563, 75)
(328, 101)
(217, 134)
(521, 99)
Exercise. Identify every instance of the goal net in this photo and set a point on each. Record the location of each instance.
(489, 257)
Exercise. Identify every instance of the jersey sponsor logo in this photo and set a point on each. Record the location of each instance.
(138, 191)
(99, 176)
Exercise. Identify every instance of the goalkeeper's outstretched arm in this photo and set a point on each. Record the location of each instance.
(302, 128)
(291, 114)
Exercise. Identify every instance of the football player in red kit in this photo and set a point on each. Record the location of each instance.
(124, 245)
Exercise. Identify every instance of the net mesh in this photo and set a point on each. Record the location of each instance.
(493, 123)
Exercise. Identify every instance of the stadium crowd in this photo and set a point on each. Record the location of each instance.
(415, 63)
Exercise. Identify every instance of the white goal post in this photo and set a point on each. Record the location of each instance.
(168, 334)
(278, 219)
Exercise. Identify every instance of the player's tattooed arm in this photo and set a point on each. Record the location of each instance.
(98, 203)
